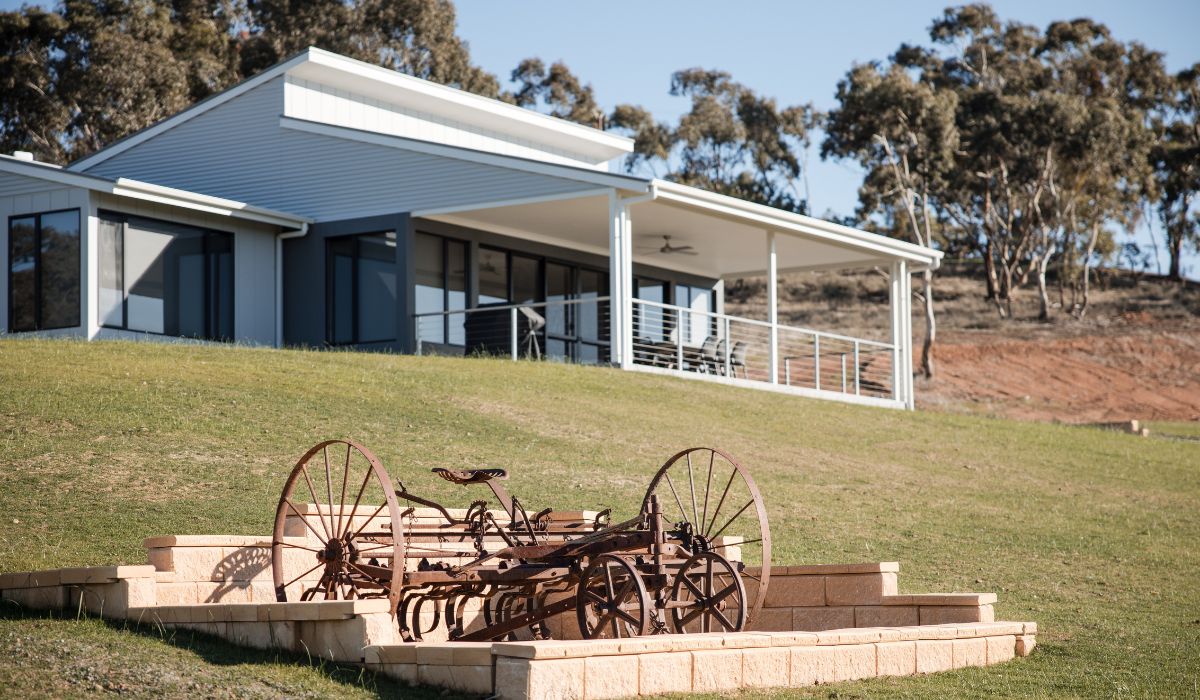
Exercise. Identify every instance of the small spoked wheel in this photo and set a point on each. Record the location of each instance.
(612, 602)
(338, 532)
(714, 505)
(708, 596)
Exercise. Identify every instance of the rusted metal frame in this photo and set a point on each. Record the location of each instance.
(523, 620)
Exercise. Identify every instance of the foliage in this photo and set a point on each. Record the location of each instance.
(732, 141)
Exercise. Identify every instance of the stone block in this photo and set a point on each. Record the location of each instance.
(1025, 644)
(468, 679)
(772, 620)
(41, 598)
(791, 639)
(403, 672)
(665, 672)
(1000, 648)
(1030, 627)
(716, 670)
(858, 589)
(610, 677)
(512, 678)
(766, 668)
(556, 678)
(256, 635)
(379, 628)
(938, 631)
(791, 591)
(970, 652)
(940, 615)
(886, 616)
(176, 593)
(811, 665)
(896, 658)
(826, 569)
(935, 655)
(436, 654)
(815, 619)
(866, 635)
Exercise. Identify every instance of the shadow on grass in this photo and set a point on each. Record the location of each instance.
(220, 652)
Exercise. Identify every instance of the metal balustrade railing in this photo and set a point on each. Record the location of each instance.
(691, 340)
(664, 336)
(573, 330)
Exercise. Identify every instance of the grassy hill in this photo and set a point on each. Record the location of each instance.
(1092, 534)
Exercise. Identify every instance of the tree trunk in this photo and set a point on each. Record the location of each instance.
(1175, 248)
(1043, 296)
(930, 328)
(1087, 268)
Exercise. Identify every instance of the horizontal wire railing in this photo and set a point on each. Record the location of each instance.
(664, 336)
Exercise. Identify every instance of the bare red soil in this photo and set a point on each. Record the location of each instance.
(1150, 374)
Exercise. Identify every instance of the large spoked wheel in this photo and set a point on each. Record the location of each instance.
(338, 533)
(715, 506)
(612, 600)
(708, 596)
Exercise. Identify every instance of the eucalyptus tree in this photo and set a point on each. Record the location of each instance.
(32, 117)
(903, 134)
(557, 89)
(731, 141)
(1175, 158)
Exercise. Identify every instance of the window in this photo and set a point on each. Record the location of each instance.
(441, 285)
(362, 289)
(696, 326)
(493, 276)
(650, 321)
(43, 271)
(164, 278)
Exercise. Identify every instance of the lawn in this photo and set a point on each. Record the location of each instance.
(1092, 534)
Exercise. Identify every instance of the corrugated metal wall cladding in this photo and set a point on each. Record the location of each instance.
(238, 150)
(12, 185)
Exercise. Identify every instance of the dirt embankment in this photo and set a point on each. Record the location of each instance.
(1152, 374)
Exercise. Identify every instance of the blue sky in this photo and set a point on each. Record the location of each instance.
(794, 51)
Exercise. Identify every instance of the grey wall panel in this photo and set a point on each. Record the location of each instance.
(238, 150)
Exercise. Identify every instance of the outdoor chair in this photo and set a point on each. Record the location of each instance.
(737, 358)
(708, 355)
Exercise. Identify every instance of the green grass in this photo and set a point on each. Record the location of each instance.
(1092, 534)
(1178, 429)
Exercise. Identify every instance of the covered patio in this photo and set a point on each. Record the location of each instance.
(638, 326)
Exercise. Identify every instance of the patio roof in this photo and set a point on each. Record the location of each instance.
(727, 234)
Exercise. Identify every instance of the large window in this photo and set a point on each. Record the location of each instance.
(696, 326)
(43, 271)
(166, 278)
(441, 265)
(362, 289)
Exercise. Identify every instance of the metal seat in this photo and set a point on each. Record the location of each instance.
(470, 476)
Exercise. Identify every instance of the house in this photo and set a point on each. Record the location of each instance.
(328, 202)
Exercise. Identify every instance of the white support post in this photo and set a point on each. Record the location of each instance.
(906, 311)
(627, 287)
(773, 306)
(898, 304)
(616, 250)
(512, 329)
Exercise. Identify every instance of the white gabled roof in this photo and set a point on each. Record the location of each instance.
(393, 87)
(145, 191)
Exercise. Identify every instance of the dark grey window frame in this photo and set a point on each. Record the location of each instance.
(330, 300)
(445, 243)
(37, 270)
(209, 323)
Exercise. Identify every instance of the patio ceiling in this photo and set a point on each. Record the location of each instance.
(727, 243)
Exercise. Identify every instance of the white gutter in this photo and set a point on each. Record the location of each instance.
(279, 239)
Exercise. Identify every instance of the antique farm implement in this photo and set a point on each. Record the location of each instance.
(345, 530)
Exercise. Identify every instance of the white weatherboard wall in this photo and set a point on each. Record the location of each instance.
(253, 264)
(312, 101)
(27, 195)
(239, 150)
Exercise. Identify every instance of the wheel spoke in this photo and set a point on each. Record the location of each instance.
(313, 491)
(342, 500)
(712, 456)
(329, 492)
(720, 503)
(692, 486)
(687, 581)
(306, 573)
(724, 620)
(735, 544)
(296, 546)
(303, 519)
(368, 520)
(723, 594)
(629, 618)
(717, 534)
(366, 478)
(678, 502)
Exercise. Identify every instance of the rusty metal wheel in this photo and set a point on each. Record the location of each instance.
(328, 547)
(612, 602)
(715, 506)
(708, 596)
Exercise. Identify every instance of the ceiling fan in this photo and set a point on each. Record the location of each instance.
(668, 249)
